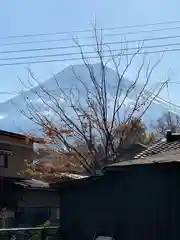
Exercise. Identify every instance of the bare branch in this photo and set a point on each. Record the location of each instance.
(92, 111)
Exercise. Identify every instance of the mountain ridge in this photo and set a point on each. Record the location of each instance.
(66, 78)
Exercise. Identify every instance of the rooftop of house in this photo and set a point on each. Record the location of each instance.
(165, 150)
(48, 177)
(36, 184)
(32, 183)
(57, 177)
(11, 182)
(22, 136)
(170, 143)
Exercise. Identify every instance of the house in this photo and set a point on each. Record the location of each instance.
(14, 149)
(31, 202)
(28, 203)
(23, 201)
(37, 203)
(137, 199)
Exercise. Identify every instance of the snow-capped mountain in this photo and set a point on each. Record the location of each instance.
(12, 120)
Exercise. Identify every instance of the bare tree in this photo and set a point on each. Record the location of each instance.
(168, 121)
(93, 113)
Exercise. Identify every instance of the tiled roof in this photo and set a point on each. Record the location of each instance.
(22, 136)
(165, 150)
(40, 179)
(61, 177)
(33, 183)
(160, 147)
(172, 156)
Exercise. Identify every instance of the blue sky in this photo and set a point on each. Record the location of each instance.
(21, 17)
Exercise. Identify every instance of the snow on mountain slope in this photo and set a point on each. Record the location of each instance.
(12, 120)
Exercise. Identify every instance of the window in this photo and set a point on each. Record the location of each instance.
(54, 213)
(3, 160)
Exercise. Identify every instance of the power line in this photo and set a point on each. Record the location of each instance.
(169, 103)
(12, 93)
(59, 40)
(89, 52)
(87, 45)
(90, 30)
(54, 48)
(87, 57)
(9, 93)
(168, 95)
(89, 37)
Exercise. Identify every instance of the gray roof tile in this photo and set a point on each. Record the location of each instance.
(160, 147)
(160, 152)
(172, 156)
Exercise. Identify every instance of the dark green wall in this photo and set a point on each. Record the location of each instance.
(137, 202)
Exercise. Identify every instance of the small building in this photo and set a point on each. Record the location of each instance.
(30, 204)
(137, 199)
(23, 201)
(14, 149)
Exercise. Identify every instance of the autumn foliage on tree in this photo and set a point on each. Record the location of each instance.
(124, 135)
(94, 122)
(132, 132)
